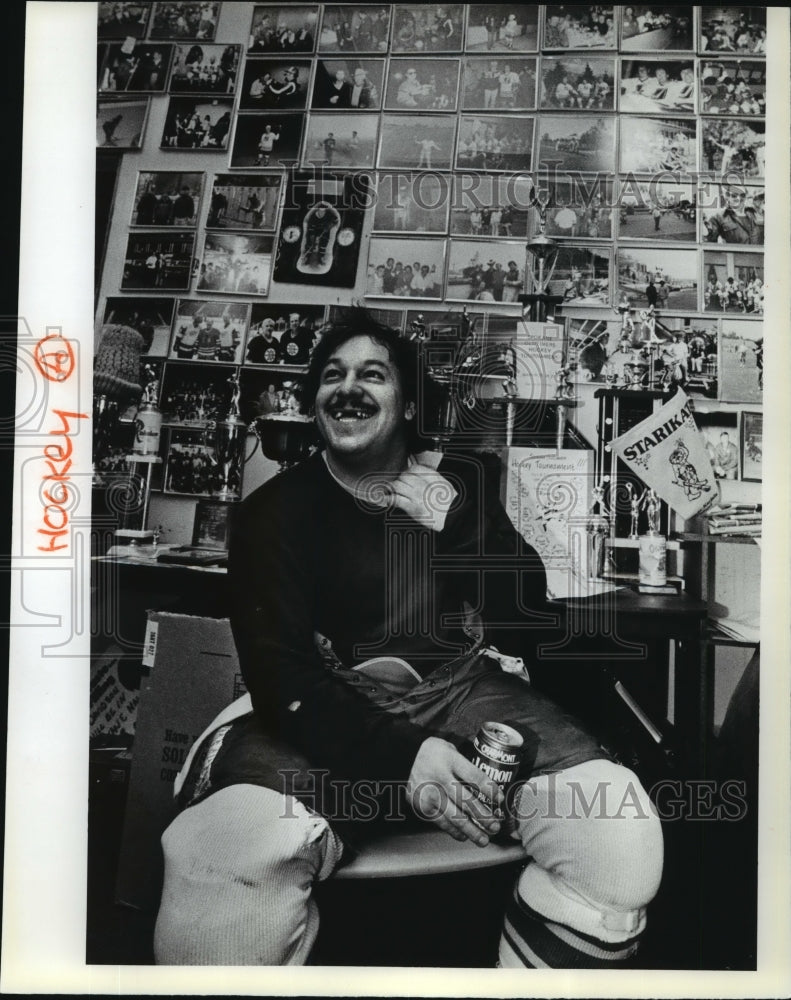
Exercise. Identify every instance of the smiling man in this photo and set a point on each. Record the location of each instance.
(369, 584)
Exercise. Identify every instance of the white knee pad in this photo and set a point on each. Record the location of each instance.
(239, 870)
(597, 846)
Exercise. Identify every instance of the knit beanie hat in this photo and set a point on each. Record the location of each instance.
(116, 368)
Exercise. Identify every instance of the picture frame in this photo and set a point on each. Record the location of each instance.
(578, 210)
(193, 395)
(657, 86)
(211, 527)
(504, 83)
(266, 141)
(719, 430)
(731, 146)
(133, 67)
(167, 198)
(348, 84)
(278, 28)
(340, 141)
(282, 334)
(122, 20)
(733, 30)
(209, 331)
(646, 29)
(411, 203)
(355, 28)
(265, 391)
(245, 202)
(658, 210)
(733, 214)
(121, 122)
(502, 27)
(485, 271)
(387, 317)
(205, 69)
(197, 124)
(583, 143)
(568, 26)
(751, 430)
(742, 360)
(578, 81)
(190, 468)
(235, 264)
(158, 261)
(424, 29)
(581, 276)
(491, 205)
(417, 85)
(733, 282)
(657, 145)
(185, 21)
(417, 142)
(732, 87)
(275, 84)
(321, 227)
(392, 264)
(151, 317)
(665, 278)
(495, 143)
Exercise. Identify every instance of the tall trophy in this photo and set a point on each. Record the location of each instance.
(227, 438)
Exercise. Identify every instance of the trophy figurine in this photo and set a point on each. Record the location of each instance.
(598, 529)
(228, 438)
(634, 509)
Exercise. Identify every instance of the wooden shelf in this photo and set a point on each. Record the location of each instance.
(688, 536)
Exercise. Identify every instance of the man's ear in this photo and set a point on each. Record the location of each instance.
(409, 411)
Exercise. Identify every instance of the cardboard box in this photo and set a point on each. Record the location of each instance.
(194, 675)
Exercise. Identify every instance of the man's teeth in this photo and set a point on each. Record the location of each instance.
(351, 414)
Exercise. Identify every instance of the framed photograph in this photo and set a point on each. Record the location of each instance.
(321, 228)
(135, 67)
(577, 83)
(578, 211)
(387, 317)
(405, 269)
(355, 28)
(733, 282)
(446, 327)
(245, 201)
(417, 142)
(732, 213)
(581, 276)
(210, 529)
(732, 87)
(275, 85)
(736, 147)
(577, 142)
(657, 210)
(495, 143)
(282, 334)
(502, 27)
(751, 441)
(491, 205)
(654, 145)
(421, 28)
(160, 261)
(485, 271)
(235, 264)
(205, 69)
(665, 279)
(123, 20)
(190, 465)
(502, 84)
(348, 84)
(567, 26)
(420, 85)
(742, 354)
(209, 330)
(266, 141)
(731, 30)
(185, 21)
(340, 140)
(193, 395)
(279, 28)
(411, 203)
(644, 28)
(152, 318)
(720, 435)
(652, 87)
(197, 123)
(265, 392)
(167, 198)
(121, 123)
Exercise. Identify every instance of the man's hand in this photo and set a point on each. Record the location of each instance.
(424, 494)
(443, 787)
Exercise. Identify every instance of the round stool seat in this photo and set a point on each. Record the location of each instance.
(429, 852)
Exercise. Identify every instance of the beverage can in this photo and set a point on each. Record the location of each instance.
(653, 560)
(497, 751)
(148, 424)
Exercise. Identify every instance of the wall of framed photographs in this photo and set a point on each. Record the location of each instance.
(280, 160)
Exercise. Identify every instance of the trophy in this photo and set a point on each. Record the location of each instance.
(598, 530)
(227, 440)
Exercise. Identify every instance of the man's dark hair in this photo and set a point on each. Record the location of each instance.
(359, 322)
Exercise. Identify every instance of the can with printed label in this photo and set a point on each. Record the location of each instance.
(497, 751)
